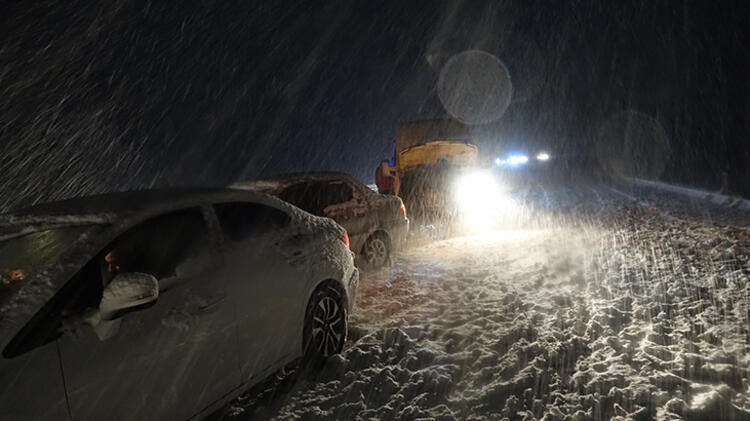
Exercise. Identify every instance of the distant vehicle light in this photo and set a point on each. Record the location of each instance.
(498, 161)
(542, 156)
(517, 159)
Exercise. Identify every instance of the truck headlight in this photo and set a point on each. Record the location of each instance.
(479, 199)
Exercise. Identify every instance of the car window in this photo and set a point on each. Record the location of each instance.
(361, 188)
(335, 192)
(242, 220)
(316, 196)
(305, 196)
(158, 247)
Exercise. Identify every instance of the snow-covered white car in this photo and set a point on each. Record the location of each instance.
(163, 304)
(376, 223)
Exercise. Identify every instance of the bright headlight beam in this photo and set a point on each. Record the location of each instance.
(480, 201)
(476, 189)
(542, 156)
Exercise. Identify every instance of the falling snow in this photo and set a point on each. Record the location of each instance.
(587, 302)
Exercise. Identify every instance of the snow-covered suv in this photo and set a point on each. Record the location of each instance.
(163, 304)
(376, 223)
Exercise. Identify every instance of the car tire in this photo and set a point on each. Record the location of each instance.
(377, 251)
(325, 325)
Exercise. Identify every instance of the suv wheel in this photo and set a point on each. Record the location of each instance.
(376, 251)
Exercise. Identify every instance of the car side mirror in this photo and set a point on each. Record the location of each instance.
(128, 292)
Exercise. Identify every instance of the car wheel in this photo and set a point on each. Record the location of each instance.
(376, 251)
(325, 325)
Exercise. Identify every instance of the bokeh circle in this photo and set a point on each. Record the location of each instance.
(475, 87)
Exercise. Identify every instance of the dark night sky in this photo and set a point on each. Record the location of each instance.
(134, 93)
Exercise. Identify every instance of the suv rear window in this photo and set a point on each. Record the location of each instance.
(243, 220)
(314, 197)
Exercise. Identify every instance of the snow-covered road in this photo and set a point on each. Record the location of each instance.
(588, 307)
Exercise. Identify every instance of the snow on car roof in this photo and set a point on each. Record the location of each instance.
(116, 202)
(104, 207)
(274, 184)
(109, 208)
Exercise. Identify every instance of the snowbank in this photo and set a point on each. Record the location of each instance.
(712, 197)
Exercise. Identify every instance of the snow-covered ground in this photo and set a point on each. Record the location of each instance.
(588, 307)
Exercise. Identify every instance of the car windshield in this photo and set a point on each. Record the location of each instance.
(26, 255)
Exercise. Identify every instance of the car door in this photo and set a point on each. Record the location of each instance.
(168, 361)
(268, 265)
(24, 377)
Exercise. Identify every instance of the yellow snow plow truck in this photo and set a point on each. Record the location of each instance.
(427, 155)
